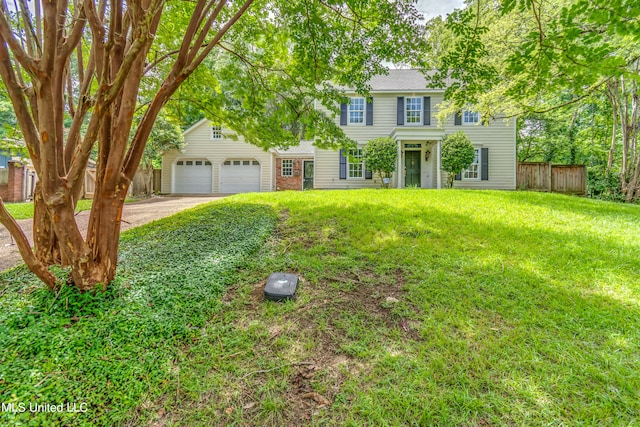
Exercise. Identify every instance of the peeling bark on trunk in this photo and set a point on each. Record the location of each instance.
(45, 241)
(35, 72)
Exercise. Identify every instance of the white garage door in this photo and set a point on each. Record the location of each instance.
(193, 177)
(240, 176)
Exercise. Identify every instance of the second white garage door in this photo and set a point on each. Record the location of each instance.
(240, 176)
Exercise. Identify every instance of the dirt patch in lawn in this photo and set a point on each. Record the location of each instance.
(301, 359)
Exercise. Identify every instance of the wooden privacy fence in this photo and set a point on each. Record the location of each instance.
(89, 183)
(136, 187)
(571, 179)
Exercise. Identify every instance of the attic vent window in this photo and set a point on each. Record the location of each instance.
(216, 131)
(281, 287)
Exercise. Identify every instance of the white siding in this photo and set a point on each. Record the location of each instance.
(200, 145)
(327, 165)
(498, 137)
(327, 173)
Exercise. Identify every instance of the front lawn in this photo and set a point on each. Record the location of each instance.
(416, 308)
(25, 210)
(512, 309)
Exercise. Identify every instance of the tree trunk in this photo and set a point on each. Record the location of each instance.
(45, 242)
(104, 223)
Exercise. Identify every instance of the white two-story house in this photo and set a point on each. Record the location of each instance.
(399, 106)
(402, 107)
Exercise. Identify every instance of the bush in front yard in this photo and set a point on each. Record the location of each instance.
(381, 157)
(457, 155)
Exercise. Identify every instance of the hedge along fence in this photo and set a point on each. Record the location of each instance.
(539, 176)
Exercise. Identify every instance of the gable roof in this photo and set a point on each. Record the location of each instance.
(195, 126)
(401, 80)
(305, 147)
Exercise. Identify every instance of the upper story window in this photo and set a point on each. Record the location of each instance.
(287, 167)
(413, 111)
(216, 131)
(473, 172)
(356, 111)
(355, 163)
(470, 117)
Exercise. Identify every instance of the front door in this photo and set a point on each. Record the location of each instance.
(412, 168)
(307, 182)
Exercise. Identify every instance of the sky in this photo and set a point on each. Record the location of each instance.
(433, 8)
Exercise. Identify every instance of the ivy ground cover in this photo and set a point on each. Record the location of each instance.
(105, 357)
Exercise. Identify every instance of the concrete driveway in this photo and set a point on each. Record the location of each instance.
(133, 215)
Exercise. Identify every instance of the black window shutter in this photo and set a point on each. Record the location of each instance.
(458, 177)
(400, 111)
(368, 174)
(427, 111)
(484, 164)
(343, 165)
(343, 114)
(458, 119)
(369, 111)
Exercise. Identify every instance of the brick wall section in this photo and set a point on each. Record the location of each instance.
(289, 182)
(12, 192)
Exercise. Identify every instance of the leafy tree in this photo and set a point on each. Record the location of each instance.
(77, 72)
(554, 55)
(381, 157)
(457, 155)
(165, 136)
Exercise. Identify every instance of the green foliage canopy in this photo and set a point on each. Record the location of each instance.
(284, 59)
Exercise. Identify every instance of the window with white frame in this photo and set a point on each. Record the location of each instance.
(413, 111)
(287, 167)
(473, 172)
(216, 131)
(356, 111)
(355, 163)
(470, 117)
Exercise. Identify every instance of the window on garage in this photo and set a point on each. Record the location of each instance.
(216, 131)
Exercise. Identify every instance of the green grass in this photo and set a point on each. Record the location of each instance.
(512, 308)
(25, 210)
(113, 351)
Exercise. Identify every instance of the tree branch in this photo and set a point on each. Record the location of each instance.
(25, 249)
(26, 61)
(20, 106)
(198, 60)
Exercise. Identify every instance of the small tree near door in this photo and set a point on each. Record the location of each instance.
(381, 157)
(457, 155)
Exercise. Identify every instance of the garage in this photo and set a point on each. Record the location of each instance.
(193, 177)
(240, 176)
